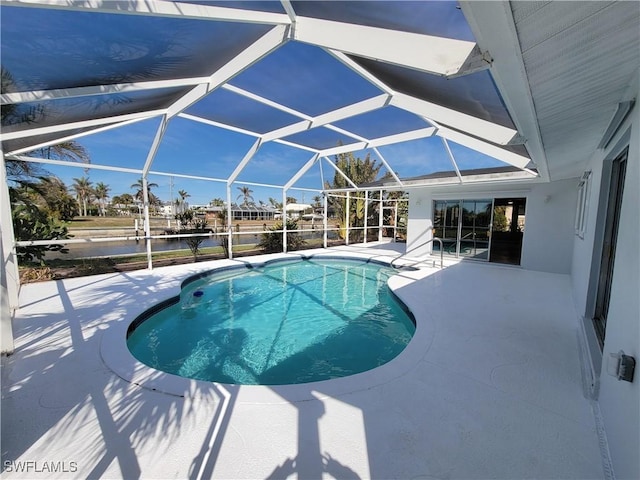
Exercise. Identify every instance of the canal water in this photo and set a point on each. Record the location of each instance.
(131, 247)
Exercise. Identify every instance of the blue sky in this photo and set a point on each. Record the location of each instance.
(192, 148)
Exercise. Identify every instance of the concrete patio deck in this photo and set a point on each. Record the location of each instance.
(489, 387)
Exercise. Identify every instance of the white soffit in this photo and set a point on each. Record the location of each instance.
(580, 59)
(562, 68)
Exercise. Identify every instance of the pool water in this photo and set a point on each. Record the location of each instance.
(283, 323)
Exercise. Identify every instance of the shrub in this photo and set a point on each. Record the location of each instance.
(271, 240)
(33, 223)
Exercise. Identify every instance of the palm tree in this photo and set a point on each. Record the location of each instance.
(102, 193)
(70, 150)
(245, 193)
(139, 195)
(359, 171)
(180, 202)
(138, 187)
(275, 204)
(122, 201)
(82, 187)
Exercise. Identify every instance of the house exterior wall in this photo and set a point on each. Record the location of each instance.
(619, 401)
(550, 210)
(547, 244)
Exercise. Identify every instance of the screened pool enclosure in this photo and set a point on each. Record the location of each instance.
(263, 95)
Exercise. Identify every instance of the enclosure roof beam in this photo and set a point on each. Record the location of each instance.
(345, 132)
(489, 131)
(341, 173)
(77, 92)
(301, 172)
(243, 163)
(155, 145)
(161, 9)
(31, 132)
(213, 123)
(254, 52)
(265, 101)
(381, 141)
(452, 158)
(360, 70)
(486, 148)
(296, 145)
(435, 55)
(351, 147)
(358, 108)
(388, 167)
(76, 135)
(288, 8)
(191, 177)
(67, 163)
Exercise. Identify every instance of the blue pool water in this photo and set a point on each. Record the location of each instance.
(283, 323)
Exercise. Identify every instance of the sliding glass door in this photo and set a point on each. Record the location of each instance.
(445, 222)
(475, 228)
(464, 227)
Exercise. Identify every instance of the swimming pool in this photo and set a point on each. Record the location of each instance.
(284, 322)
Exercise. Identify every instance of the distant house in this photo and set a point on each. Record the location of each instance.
(242, 212)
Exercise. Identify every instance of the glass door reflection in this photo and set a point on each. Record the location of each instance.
(464, 226)
(445, 225)
(475, 229)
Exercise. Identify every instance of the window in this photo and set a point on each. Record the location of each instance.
(583, 203)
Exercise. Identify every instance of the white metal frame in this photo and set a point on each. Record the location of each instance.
(439, 56)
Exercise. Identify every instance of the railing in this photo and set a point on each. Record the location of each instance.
(422, 245)
(454, 245)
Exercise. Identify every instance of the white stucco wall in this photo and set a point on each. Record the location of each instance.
(547, 245)
(619, 401)
(420, 222)
(548, 238)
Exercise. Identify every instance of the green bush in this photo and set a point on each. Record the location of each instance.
(271, 240)
(33, 223)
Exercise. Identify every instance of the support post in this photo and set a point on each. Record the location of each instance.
(395, 220)
(346, 218)
(147, 223)
(380, 217)
(366, 214)
(229, 232)
(325, 221)
(284, 221)
(9, 276)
